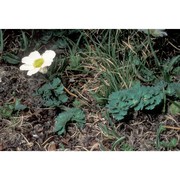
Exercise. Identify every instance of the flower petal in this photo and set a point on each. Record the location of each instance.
(27, 60)
(26, 67)
(48, 54)
(32, 56)
(48, 57)
(35, 55)
(32, 71)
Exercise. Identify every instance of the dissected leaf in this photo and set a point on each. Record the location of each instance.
(8, 109)
(174, 108)
(11, 58)
(171, 64)
(73, 114)
(169, 144)
(18, 106)
(52, 93)
(173, 89)
(140, 97)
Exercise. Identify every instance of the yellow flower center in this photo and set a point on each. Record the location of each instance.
(38, 62)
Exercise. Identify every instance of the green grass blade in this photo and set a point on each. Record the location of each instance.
(1, 41)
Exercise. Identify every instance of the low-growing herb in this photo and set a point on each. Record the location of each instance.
(52, 93)
(73, 114)
(7, 110)
(140, 97)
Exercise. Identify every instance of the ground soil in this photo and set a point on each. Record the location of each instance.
(33, 128)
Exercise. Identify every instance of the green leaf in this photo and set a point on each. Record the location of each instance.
(24, 43)
(140, 97)
(55, 83)
(173, 142)
(46, 37)
(18, 106)
(169, 66)
(169, 144)
(173, 89)
(73, 114)
(60, 43)
(52, 93)
(1, 41)
(6, 111)
(11, 58)
(174, 108)
(176, 71)
(59, 90)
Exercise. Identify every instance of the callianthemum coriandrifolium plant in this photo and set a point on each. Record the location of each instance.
(140, 97)
(150, 96)
(174, 108)
(52, 93)
(72, 114)
(173, 89)
(120, 102)
(170, 144)
(7, 110)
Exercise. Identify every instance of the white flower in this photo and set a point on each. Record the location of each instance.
(155, 32)
(36, 62)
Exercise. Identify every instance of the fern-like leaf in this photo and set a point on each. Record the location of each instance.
(73, 114)
(52, 93)
(140, 97)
